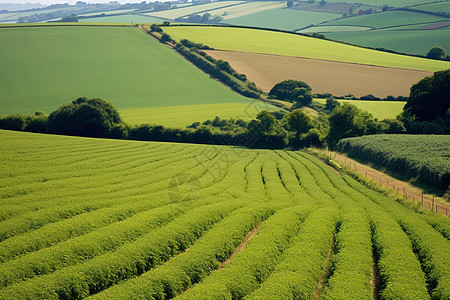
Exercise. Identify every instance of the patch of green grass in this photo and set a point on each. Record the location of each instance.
(183, 115)
(388, 19)
(44, 67)
(435, 7)
(130, 18)
(392, 3)
(246, 8)
(264, 41)
(379, 109)
(340, 28)
(285, 19)
(109, 12)
(405, 41)
(192, 9)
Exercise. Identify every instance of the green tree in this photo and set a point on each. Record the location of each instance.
(286, 90)
(298, 121)
(437, 53)
(155, 28)
(331, 104)
(290, 4)
(166, 23)
(349, 121)
(166, 38)
(430, 97)
(85, 117)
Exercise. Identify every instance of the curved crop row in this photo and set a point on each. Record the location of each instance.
(168, 280)
(297, 274)
(132, 259)
(254, 264)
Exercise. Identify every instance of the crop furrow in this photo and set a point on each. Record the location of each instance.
(135, 258)
(181, 272)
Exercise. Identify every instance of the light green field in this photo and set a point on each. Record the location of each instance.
(405, 41)
(341, 28)
(388, 19)
(262, 41)
(124, 19)
(285, 19)
(17, 15)
(392, 3)
(118, 219)
(181, 116)
(435, 7)
(379, 109)
(43, 68)
(192, 9)
(110, 12)
(246, 8)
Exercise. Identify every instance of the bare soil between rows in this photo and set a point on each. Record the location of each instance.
(338, 78)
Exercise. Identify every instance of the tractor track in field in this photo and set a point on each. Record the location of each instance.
(241, 246)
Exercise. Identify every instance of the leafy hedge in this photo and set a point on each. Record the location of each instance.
(424, 157)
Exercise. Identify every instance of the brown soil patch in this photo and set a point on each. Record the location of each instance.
(437, 25)
(241, 246)
(338, 78)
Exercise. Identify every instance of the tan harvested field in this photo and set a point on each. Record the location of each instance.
(323, 76)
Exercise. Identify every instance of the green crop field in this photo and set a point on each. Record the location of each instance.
(43, 68)
(392, 3)
(404, 41)
(114, 219)
(422, 157)
(192, 9)
(435, 7)
(130, 18)
(388, 19)
(379, 109)
(181, 116)
(340, 28)
(282, 19)
(246, 8)
(262, 41)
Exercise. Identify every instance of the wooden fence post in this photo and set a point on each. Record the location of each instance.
(432, 204)
(422, 198)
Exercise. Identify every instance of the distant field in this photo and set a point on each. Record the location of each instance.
(280, 18)
(246, 8)
(388, 19)
(109, 12)
(379, 109)
(340, 28)
(192, 9)
(43, 68)
(393, 3)
(323, 76)
(181, 116)
(124, 19)
(435, 7)
(268, 42)
(399, 40)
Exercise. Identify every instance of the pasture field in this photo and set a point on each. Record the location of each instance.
(394, 3)
(435, 7)
(340, 28)
(379, 109)
(109, 12)
(129, 18)
(388, 19)
(285, 44)
(284, 19)
(421, 157)
(404, 41)
(246, 8)
(181, 116)
(43, 68)
(338, 78)
(109, 219)
(193, 9)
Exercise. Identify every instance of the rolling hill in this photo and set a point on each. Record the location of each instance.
(44, 67)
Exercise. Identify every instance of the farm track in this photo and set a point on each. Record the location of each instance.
(259, 224)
